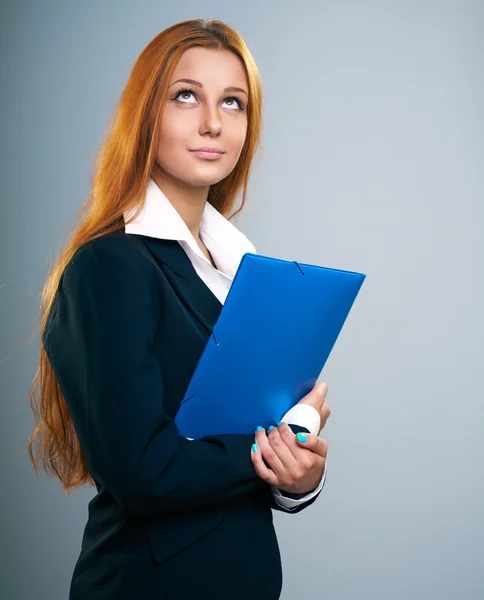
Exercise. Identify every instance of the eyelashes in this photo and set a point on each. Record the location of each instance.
(239, 100)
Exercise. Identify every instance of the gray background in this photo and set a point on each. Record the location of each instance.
(372, 161)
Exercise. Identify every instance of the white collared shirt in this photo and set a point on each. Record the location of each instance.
(227, 245)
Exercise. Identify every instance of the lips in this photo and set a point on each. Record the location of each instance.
(208, 149)
(207, 155)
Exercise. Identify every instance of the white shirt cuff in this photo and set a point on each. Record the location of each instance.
(304, 416)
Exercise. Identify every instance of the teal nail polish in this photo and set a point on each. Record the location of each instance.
(259, 428)
(301, 437)
(280, 423)
(271, 427)
(254, 447)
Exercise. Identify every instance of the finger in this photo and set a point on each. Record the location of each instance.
(269, 454)
(305, 457)
(281, 448)
(288, 435)
(313, 443)
(260, 468)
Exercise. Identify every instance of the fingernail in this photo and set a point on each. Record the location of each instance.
(254, 448)
(301, 437)
(321, 387)
(280, 423)
(271, 427)
(259, 428)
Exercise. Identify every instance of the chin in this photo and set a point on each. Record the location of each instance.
(201, 175)
(203, 179)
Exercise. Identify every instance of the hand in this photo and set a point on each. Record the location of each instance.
(285, 462)
(316, 399)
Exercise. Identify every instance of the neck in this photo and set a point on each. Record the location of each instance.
(188, 200)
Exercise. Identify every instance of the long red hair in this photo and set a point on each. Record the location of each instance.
(124, 165)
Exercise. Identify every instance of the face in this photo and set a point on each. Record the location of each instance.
(204, 114)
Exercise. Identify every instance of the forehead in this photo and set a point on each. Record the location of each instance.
(211, 67)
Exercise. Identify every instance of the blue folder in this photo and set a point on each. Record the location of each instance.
(274, 334)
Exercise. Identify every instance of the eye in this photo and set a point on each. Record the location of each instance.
(180, 92)
(238, 100)
(187, 91)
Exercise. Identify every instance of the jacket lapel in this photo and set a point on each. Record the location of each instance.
(189, 287)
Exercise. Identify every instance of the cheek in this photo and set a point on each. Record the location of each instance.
(237, 151)
(239, 136)
(172, 146)
(174, 134)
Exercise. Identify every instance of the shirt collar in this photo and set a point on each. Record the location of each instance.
(160, 219)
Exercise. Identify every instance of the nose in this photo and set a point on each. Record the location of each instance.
(210, 121)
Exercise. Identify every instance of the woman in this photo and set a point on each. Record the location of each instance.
(126, 313)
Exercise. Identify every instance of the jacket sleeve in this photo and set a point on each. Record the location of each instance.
(101, 345)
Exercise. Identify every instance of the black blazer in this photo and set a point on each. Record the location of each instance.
(172, 518)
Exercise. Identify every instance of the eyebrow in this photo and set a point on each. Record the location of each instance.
(200, 85)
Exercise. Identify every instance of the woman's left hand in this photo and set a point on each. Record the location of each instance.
(289, 464)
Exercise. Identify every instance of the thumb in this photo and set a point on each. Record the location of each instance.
(316, 396)
(320, 389)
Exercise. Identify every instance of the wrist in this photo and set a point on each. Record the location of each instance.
(299, 490)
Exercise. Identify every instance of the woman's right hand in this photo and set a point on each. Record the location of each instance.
(316, 399)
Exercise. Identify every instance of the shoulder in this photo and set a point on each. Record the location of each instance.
(109, 257)
(113, 247)
(106, 282)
